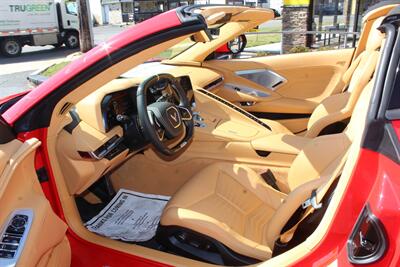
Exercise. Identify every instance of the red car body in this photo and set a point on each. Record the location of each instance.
(375, 179)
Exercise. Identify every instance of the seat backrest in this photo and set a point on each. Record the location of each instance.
(321, 151)
(308, 175)
(336, 109)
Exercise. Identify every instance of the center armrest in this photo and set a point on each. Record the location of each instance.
(281, 143)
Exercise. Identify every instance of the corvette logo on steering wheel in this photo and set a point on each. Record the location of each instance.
(174, 117)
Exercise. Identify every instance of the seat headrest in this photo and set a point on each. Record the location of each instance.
(375, 36)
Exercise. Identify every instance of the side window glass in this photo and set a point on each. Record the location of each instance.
(71, 8)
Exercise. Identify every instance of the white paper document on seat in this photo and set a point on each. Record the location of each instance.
(130, 216)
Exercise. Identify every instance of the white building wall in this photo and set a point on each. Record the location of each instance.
(276, 4)
(96, 9)
(204, 2)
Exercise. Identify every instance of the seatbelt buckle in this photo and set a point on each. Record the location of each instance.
(312, 201)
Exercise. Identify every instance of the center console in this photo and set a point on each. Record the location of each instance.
(227, 132)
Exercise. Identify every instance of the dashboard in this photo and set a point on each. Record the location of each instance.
(103, 130)
(119, 107)
(118, 103)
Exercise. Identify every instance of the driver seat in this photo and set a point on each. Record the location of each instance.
(229, 210)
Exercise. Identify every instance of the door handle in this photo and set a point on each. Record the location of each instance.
(68, 22)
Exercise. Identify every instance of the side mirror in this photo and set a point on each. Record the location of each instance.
(238, 44)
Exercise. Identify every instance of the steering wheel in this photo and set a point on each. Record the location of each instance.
(165, 122)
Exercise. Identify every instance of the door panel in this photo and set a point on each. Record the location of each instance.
(299, 82)
(43, 235)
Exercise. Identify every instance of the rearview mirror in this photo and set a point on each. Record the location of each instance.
(238, 44)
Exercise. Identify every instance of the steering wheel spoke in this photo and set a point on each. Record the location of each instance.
(160, 131)
(186, 114)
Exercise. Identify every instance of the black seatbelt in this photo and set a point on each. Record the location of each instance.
(269, 178)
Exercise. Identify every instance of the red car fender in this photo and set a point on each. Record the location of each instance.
(375, 180)
(223, 49)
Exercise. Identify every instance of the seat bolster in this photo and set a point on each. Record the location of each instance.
(349, 72)
(309, 164)
(336, 117)
(209, 226)
(332, 109)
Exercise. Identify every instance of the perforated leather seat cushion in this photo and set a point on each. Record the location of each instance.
(230, 203)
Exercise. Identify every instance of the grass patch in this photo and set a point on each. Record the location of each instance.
(263, 39)
(176, 49)
(53, 69)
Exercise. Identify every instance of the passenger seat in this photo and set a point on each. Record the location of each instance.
(333, 113)
(227, 211)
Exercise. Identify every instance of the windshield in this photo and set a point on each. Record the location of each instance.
(176, 49)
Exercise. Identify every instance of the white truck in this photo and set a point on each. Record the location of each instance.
(37, 23)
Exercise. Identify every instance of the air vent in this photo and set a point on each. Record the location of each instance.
(214, 83)
(232, 106)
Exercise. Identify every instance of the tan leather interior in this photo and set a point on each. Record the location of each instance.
(228, 201)
(89, 108)
(57, 256)
(308, 79)
(46, 243)
(281, 143)
(228, 139)
(316, 89)
(233, 136)
(83, 172)
(340, 107)
(284, 146)
(318, 75)
(367, 21)
(238, 24)
(232, 204)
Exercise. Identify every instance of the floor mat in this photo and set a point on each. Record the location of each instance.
(130, 216)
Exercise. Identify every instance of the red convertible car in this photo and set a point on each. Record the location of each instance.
(203, 160)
